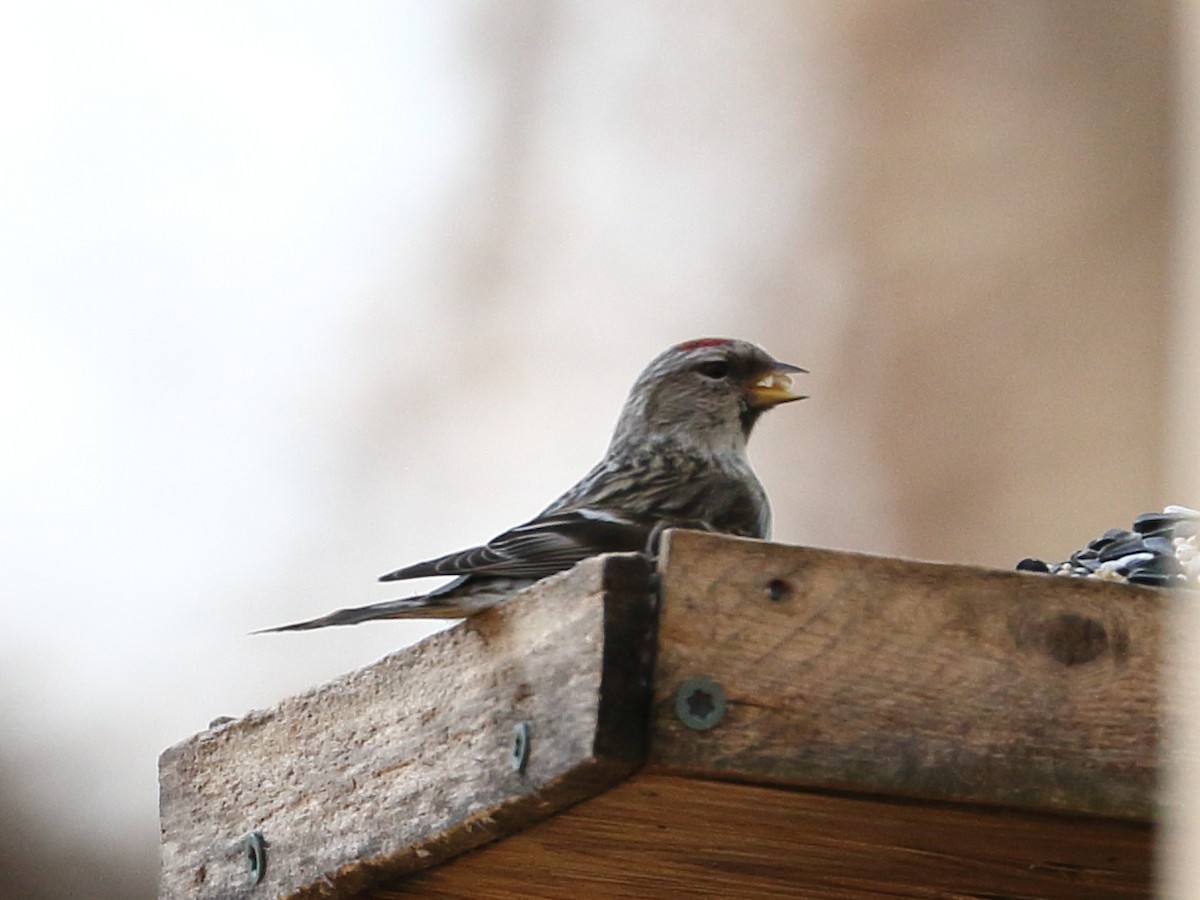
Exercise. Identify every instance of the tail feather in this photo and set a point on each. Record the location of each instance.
(422, 607)
(457, 599)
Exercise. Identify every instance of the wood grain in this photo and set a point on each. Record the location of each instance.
(864, 673)
(658, 836)
(407, 762)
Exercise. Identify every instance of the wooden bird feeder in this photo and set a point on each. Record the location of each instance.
(753, 720)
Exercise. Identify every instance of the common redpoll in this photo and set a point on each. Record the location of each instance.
(676, 458)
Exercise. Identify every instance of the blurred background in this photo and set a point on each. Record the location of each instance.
(294, 293)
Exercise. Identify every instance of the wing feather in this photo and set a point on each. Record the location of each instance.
(538, 548)
(596, 516)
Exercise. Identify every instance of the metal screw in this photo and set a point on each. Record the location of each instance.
(700, 703)
(520, 747)
(254, 850)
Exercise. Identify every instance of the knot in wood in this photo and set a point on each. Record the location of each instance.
(1072, 639)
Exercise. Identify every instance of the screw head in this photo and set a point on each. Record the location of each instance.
(254, 851)
(700, 703)
(520, 747)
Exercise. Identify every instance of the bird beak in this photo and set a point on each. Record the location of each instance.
(774, 386)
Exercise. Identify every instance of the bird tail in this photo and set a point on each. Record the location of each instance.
(420, 607)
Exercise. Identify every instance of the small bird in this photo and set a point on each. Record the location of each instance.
(677, 458)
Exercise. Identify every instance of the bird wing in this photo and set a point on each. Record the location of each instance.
(540, 547)
(613, 509)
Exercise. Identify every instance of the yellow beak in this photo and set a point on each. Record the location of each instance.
(774, 386)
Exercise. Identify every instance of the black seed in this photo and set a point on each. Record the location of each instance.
(1117, 549)
(1152, 579)
(1151, 521)
(1127, 564)
(1162, 546)
(1113, 534)
(1160, 565)
(1155, 523)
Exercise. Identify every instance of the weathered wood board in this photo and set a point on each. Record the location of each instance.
(817, 724)
(660, 837)
(411, 760)
(854, 672)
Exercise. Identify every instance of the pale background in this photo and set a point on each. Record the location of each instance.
(294, 293)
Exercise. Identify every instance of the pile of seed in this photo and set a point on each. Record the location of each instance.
(1163, 550)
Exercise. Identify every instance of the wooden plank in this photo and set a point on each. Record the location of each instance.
(863, 673)
(657, 836)
(409, 761)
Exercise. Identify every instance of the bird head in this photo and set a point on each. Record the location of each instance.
(711, 391)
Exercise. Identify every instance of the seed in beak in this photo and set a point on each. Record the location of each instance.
(774, 381)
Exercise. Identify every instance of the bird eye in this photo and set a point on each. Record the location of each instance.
(715, 369)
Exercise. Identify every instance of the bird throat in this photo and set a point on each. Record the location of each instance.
(748, 417)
